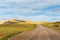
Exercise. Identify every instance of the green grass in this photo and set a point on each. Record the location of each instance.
(9, 30)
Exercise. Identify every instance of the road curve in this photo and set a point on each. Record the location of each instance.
(39, 33)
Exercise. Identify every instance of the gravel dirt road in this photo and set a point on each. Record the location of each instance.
(39, 33)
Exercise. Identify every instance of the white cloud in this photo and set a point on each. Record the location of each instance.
(44, 18)
(52, 12)
(27, 6)
(31, 3)
(39, 18)
(55, 18)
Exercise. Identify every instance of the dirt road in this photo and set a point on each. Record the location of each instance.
(39, 33)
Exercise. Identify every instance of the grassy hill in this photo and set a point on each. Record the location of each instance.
(15, 21)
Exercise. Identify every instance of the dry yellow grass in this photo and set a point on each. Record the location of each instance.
(8, 30)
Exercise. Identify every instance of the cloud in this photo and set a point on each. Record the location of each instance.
(36, 10)
(44, 18)
(29, 3)
(39, 18)
(8, 16)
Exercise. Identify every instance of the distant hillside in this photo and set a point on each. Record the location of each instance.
(15, 21)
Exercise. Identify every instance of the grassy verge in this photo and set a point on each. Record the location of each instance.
(9, 30)
(52, 25)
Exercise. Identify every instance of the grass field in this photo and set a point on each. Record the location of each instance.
(53, 25)
(8, 30)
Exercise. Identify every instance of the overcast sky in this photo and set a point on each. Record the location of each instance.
(34, 10)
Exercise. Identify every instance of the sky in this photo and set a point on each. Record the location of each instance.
(34, 10)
